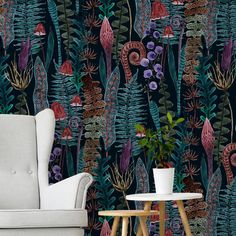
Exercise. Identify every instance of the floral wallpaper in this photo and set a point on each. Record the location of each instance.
(103, 66)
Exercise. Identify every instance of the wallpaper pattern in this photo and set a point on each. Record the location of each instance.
(104, 66)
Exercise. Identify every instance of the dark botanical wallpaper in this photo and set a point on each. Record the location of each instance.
(104, 66)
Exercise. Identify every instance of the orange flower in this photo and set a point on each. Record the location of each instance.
(66, 68)
(58, 110)
(159, 11)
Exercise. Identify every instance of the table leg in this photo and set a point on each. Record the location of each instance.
(115, 225)
(147, 207)
(184, 218)
(143, 224)
(162, 218)
(125, 223)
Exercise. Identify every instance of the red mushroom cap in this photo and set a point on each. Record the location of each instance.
(168, 32)
(39, 30)
(58, 110)
(178, 2)
(76, 101)
(66, 68)
(159, 11)
(67, 134)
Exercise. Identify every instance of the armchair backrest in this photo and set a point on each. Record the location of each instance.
(25, 145)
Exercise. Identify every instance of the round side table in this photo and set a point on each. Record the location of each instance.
(148, 198)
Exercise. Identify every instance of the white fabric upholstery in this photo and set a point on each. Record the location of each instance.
(18, 162)
(70, 190)
(43, 232)
(42, 210)
(42, 218)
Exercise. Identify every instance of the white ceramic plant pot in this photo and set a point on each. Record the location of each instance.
(164, 180)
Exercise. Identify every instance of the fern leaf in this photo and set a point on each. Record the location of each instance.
(179, 82)
(226, 220)
(50, 50)
(212, 199)
(65, 15)
(226, 21)
(5, 89)
(21, 106)
(52, 8)
(221, 127)
(110, 98)
(130, 112)
(7, 23)
(103, 184)
(207, 89)
(119, 28)
(142, 17)
(40, 95)
(154, 111)
(28, 13)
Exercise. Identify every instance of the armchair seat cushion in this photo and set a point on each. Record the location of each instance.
(34, 218)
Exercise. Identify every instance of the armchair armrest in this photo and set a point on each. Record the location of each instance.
(67, 194)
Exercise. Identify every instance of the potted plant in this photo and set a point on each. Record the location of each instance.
(159, 145)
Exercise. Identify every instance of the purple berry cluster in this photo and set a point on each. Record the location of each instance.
(152, 64)
(54, 172)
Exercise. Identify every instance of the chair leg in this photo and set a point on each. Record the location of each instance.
(143, 224)
(147, 207)
(115, 226)
(125, 223)
(162, 218)
(184, 218)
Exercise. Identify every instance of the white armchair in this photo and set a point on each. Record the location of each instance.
(28, 204)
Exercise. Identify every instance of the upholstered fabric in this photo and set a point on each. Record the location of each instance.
(43, 232)
(72, 192)
(42, 218)
(29, 205)
(18, 162)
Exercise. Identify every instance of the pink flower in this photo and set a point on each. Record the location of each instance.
(39, 30)
(106, 36)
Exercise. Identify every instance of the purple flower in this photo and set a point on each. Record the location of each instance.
(147, 74)
(159, 75)
(227, 55)
(156, 34)
(56, 169)
(52, 157)
(151, 56)
(144, 62)
(58, 176)
(150, 45)
(57, 151)
(158, 50)
(147, 32)
(125, 157)
(152, 25)
(24, 54)
(153, 85)
(157, 67)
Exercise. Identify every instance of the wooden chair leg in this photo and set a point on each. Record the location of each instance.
(162, 218)
(115, 226)
(184, 218)
(143, 224)
(125, 223)
(147, 207)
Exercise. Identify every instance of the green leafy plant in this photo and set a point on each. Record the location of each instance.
(160, 147)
